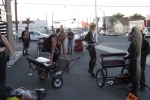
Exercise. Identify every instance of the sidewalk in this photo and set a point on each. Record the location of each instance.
(18, 54)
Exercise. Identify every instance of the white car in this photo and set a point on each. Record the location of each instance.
(34, 35)
(102, 32)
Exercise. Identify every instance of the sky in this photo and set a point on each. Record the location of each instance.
(79, 9)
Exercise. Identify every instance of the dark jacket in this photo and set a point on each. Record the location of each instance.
(90, 38)
(145, 48)
(132, 58)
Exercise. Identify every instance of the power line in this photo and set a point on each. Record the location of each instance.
(87, 5)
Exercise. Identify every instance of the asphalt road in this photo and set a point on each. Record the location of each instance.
(78, 84)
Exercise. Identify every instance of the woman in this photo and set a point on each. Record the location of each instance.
(92, 52)
(4, 44)
(134, 57)
(53, 44)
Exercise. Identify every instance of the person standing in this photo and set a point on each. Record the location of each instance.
(70, 37)
(26, 41)
(134, 57)
(4, 44)
(91, 47)
(144, 52)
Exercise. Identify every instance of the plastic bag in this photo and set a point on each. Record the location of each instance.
(13, 98)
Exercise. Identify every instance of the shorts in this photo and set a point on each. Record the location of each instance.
(25, 43)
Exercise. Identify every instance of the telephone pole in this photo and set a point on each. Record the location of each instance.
(16, 16)
(9, 23)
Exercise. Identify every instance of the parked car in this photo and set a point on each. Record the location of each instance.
(102, 32)
(34, 35)
(116, 33)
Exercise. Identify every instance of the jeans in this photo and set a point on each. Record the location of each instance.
(70, 44)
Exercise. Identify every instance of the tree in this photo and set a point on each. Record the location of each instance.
(112, 21)
(137, 16)
(27, 21)
(118, 15)
(98, 19)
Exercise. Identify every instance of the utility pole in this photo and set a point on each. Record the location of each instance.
(96, 20)
(16, 16)
(9, 23)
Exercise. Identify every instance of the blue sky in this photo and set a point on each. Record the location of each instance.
(39, 8)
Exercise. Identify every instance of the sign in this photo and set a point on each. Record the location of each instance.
(138, 23)
(3, 16)
(131, 97)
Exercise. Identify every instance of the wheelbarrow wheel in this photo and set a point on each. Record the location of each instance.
(42, 75)
(100, 78)
(57, 82)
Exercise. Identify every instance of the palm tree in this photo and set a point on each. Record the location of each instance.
(112, 21)
(137, 16)
(27, 21)
(118, 15)
(98, 19)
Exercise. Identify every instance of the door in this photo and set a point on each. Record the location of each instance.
(35, 36)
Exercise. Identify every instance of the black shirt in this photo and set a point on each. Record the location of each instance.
(70, 34)
(145, 48)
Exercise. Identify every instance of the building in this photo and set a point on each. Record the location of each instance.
(122, 25)
(38, 25)
(106, 22)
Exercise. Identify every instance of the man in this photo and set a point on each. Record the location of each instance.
(70, 37)
(25, 40)
(144, 53)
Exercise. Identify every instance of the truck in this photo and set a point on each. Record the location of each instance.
(143, 25)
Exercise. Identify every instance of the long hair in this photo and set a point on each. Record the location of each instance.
(61, 35)
(137, 39)
(90, 27)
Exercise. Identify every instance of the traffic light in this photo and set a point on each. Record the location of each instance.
(74, 19)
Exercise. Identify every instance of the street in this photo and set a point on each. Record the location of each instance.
(78, 83)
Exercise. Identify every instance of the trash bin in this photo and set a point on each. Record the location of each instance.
(78, 46)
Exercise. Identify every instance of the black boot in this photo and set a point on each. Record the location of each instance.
(71, 51)
(27, 53)
(92, 73)
(23, 53)
(68, 51)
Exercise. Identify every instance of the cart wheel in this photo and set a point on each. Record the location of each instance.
(57, 82)
(124, 70)
(42, 75)
(100, 78)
